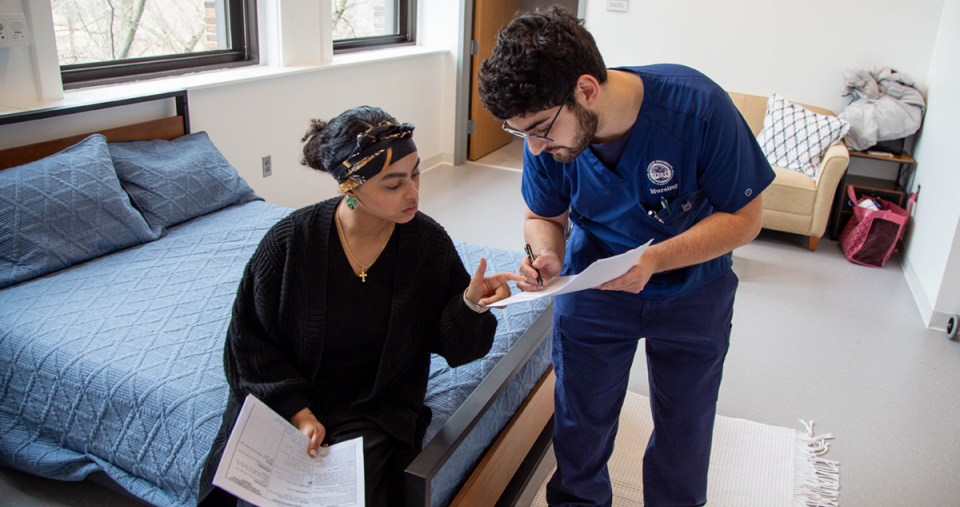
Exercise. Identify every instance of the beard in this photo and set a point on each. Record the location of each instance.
(587, 122)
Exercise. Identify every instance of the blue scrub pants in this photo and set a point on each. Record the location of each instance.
(594, 342)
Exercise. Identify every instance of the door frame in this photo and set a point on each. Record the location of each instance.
(462, 105)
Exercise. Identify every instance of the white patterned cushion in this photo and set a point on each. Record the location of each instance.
(796, 138)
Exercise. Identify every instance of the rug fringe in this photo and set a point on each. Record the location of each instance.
(817, 481)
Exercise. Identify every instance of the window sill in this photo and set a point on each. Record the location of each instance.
(211, 79)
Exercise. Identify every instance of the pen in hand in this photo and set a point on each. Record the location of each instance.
(530, 256)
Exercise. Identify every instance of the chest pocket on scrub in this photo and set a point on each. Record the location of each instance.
(683, 214)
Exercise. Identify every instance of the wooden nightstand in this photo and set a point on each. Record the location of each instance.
(904, 159)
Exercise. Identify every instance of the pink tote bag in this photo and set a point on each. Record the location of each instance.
(871, 235)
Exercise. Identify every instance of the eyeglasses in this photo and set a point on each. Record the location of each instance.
(536, 136)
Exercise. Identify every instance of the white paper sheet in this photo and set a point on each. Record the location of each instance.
(265, 463)
(596, 274)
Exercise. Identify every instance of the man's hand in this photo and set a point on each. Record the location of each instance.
(549, 266)
(486, 290)
(636, 279)
(308, 424)
(715, 235)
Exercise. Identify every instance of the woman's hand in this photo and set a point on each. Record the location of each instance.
(485, 290)
(549, 266)
(308, 424)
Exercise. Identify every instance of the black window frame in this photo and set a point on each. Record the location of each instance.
(407, 23)
(245, 51)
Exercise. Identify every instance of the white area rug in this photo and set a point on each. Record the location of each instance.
(751, 464)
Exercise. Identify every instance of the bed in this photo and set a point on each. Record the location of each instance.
(111, 357)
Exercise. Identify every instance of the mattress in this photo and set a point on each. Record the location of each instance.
(115, 365)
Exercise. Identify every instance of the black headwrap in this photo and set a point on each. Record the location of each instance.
(373, 152)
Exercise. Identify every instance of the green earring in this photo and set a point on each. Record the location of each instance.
(352, 202)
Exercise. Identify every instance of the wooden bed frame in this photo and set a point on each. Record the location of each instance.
(507, 466)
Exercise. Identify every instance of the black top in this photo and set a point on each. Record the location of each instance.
(351, 351)
(282, 321)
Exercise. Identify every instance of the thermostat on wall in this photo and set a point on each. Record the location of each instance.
(617, 5)
(13, 30)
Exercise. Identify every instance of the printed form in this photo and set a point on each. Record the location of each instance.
(265, 463)
(596, 274)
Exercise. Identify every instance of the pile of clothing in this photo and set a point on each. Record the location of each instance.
(886, 105)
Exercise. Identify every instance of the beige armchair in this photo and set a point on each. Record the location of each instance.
(795, 202)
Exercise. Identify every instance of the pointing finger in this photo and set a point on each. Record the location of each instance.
(478, 275)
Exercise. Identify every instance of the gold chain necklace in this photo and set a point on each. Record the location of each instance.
(343, 238)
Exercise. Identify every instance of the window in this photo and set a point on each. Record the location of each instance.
(362, 24)
(108, 41)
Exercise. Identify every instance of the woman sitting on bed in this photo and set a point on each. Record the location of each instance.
(343, 302)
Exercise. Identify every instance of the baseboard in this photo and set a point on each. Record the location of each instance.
(923, 304)
(938, 321)
(436, 160)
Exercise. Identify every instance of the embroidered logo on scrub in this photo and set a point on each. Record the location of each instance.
(660, 172)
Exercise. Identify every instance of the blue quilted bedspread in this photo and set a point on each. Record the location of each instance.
(116, 364)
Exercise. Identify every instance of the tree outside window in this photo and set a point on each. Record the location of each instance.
(106, 41)
(104, 30)
(356, 19)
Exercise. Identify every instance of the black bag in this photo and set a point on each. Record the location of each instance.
(894, 146)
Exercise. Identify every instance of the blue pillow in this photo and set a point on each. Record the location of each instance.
(63, 210)
(173, 181)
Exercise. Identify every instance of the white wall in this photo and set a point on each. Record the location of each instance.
(16, 72)
(933, 260)
(948, 299)
(268, 116)
(438, 26)
(21, 80)
(276, 112)
(252, 119)
(529, 5)
(248, 121)
(798, 49)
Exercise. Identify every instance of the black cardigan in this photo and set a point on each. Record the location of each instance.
(275, 339)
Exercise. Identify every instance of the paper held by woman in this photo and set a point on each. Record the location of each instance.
(265, 463)
(596, 274)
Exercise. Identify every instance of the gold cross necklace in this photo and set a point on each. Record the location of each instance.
(346, 246)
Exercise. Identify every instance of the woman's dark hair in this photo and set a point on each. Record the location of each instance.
(537, 60)
(324, 139)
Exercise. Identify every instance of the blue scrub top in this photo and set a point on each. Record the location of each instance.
(689, 146)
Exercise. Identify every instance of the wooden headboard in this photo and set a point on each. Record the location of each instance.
(166, 128)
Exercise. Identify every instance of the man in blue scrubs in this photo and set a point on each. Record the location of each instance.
(629, 154)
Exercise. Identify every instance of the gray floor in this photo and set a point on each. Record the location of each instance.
(815, 337)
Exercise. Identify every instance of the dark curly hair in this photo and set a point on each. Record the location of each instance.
(324, 139)
(537, 60)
